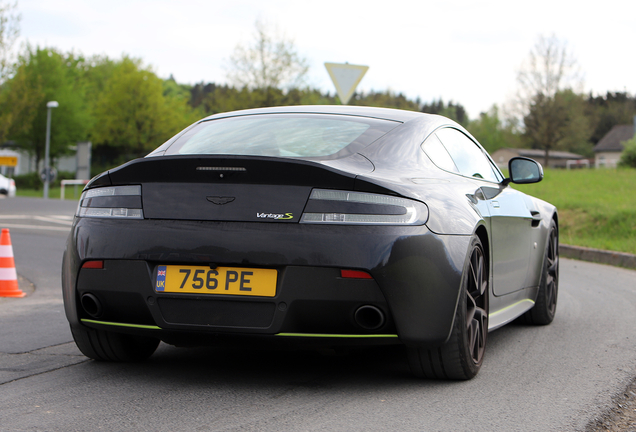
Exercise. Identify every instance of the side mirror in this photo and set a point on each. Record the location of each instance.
(524, 170)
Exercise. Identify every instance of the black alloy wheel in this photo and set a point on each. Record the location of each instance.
(462, 356)
(544, 308)
(477, 306)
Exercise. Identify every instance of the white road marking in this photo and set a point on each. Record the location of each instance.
(54, 219)
(36, 227)
(34, 222)
(62, 217)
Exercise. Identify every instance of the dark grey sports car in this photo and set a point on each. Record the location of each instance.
(324, 224)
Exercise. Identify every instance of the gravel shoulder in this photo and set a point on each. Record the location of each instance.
(621, 417)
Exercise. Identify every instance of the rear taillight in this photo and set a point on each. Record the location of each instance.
(360, 208)
(93, 265)
(111, 202)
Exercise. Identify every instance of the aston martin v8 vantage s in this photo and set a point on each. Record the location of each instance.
(324, 224)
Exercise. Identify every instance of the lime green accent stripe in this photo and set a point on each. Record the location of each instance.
(151, 327)
(509, 307)
(318, 335)
(278, 334)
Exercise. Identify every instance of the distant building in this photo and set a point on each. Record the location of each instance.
(557, 159)
(78, 163)
(609, 149)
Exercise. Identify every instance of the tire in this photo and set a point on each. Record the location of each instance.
(544, 309)
(114, 347)
(462, 356)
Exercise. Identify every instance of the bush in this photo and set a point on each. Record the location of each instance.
(28, 181)
(33, 180)
(628, 158)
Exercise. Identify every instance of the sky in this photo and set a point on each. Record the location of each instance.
(463, 51)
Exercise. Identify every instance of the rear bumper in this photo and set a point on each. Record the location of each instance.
(309, 300)
(416, 278)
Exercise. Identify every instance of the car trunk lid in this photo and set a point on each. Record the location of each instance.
(228, 188)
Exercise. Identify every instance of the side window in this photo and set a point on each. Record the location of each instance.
(468, 157)
(437, 153)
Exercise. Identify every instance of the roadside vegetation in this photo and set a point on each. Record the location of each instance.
(71, 193)
(597, 207)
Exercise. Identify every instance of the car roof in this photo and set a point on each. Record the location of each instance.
(359, 111)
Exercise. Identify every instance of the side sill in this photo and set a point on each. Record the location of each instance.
(504, 316)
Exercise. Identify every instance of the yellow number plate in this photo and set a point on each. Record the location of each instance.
(221, 280)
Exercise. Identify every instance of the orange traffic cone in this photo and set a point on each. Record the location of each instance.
(8, 276)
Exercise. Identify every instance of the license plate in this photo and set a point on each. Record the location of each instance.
(221, 280)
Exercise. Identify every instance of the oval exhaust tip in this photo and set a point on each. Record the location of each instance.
(91, 305)
(369, 317)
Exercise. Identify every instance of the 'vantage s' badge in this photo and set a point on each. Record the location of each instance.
(220, 200)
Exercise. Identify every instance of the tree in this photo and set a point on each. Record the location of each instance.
(9, 31)
(628, 157)
(133, 115)
(94, 73)
(217, 99)
(271, 60)
(44, 75)
(19, 99)
(544, 123)
(578, 126)
(558, 122)
(605, 112)
(492, 132)
(212, 98)
(385, 99)
(549, 70)
(172, 89)
(451, 110)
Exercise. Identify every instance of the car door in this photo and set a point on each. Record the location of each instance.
(510, 219)
(512, 239)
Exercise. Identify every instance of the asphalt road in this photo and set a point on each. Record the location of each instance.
(557, 377)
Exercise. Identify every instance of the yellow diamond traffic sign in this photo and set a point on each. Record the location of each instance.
(346, 78)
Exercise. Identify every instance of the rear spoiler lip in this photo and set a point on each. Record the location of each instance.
(331, 174)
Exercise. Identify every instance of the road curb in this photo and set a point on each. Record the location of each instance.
(618, 259)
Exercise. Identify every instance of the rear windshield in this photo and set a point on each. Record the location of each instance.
(283, 135)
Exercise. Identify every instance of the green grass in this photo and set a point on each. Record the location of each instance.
(54, 193)
(597, 207)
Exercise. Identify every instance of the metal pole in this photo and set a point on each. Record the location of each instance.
(46, 151)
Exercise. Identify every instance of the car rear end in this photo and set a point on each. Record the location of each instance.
(190, 245)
